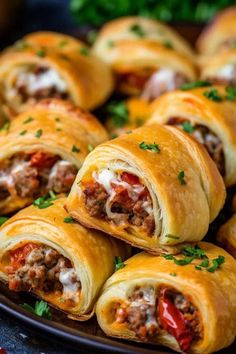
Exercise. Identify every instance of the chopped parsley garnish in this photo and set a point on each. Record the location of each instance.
(57, 119)
(213, 95)
(84, 51)
(64, 57)
(41, 53)
(23, 132)
(196, 253)
(21, 45)
(6, 126)
(110, 44)
(62, 43)
(181, 176)
(119, 113)
(75, 149)
(119, 264)
(173, 274)
(3, 219)
(137, 30)
(92, 36)
(38, 133)
(40, 309)
(113, 136)
(69, 220)
(45, 201)
(28, 120)
(191, 85)
(168, 44)
(151, 147)
(172, 236)
(58, 129)
(128, 132)
(230, 93)
(139, 121)
(90, 147)
(188, 127)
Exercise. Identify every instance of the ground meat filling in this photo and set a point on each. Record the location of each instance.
(40, 82)
(32, 175)
(150, 83)
(121, 199)
(36, 267)
(144, 316)
(205, 137)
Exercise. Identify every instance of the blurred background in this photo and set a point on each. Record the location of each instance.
(75, 17)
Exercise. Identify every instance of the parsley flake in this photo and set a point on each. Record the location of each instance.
(40, 309)
(69, 220)
(3, 219)
(6, 126)
(151, 147)
(195, 84)
(62, 43)
(84, 51)
(181, 176)
(75, 149)
(110, 44)
(45, 201)
(41, 53)
(137, 30)
(113, 136)
(119, 113)
(28, 120)
(92, 36)
(230, 93)
(216, 263)
(168, 44)
(23, 132)
(173, 274)
(119, 264)
(213, 95)
(38, 133)
(90, 147)
(188, 127)
(172, 236)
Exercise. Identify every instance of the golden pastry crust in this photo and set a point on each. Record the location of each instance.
(88, 251)
(212, 293)
(88, 80)
(121, 29)
(219, 117)
(226, 236)
(181, 210)
(138, 112)
(221, 29)
(62, 126)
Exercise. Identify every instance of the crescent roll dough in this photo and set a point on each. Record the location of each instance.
(51, 65)
(147, 57)
(226, 236)
(220, 34)
(153, 188)
(42, 149)
(150, 295)
(212, 123)
(44, 252)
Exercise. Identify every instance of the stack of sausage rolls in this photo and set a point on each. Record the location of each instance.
(82, 200)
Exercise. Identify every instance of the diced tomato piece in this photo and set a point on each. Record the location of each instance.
(17, 257)
(122, 196)
(173, 321)
(130, 178)
(41, 159)
(135, 80)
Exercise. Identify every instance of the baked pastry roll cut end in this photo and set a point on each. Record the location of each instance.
(43, 251)
(226, 236)
(207, 114)
(173, 302)
(154, 188)
(220, 34)
(37, 68)
(42, 150)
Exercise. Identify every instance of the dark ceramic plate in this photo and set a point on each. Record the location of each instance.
(85, 334)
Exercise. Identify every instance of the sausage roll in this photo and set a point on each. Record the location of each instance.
(221, 68)
(220, 34)
(124, 116)
(147, 58)
(45, 252)
(42, 150)
(153, 188)
(208, 116)
(226, 236)
(188, 308)
(41, 66)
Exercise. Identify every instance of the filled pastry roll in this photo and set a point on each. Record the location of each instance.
(44, 65)
(42, 149)
(208, 114)
(154, 188)
(147, 64)
(226, 236)
(182, 303)
(43, 251)
(126, 115)
(220, 34)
